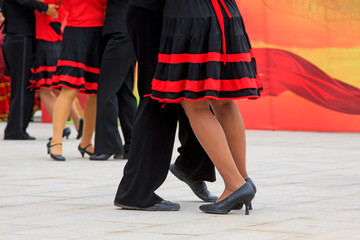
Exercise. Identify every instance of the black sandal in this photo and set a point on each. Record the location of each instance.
(83, 150)
(54, 156)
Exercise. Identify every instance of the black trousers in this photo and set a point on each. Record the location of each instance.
(155, 124)
(115, 98)
(19, 55)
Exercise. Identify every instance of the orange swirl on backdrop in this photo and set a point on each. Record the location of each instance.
(303, 23)
(326, 34)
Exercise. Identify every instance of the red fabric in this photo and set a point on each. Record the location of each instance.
(85, 13)
(74, 81)
(5, 88)
(78, 65)
(204, 57)
(220, 19)
(44, 69)
(282, 71)
(178, 100)
(207, 84)
(43, 30)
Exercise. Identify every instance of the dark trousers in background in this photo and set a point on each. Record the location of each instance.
(18, 55)
(155, 125)
(115, 98)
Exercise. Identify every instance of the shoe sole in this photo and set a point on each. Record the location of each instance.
(125, 207)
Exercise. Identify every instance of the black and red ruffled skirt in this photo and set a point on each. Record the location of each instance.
(78, 67)
(47, 55)
(205, 53)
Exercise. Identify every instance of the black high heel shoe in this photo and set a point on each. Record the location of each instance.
(242, 195)
(54, 156)
(80, 130)
(254, 188)
(66, 132)
(83, 150)
(239, 206)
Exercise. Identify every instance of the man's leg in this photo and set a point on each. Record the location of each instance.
(127, 108)
(117, 59)
(154, 129)
(193, 166)
(18, 53)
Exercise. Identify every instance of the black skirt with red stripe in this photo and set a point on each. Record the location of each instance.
(47, 55)
(78, 67)
(192, 64)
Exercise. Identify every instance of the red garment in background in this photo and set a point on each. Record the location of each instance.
(4, 85)
(282, 71)
(85, 13)
(43, 29)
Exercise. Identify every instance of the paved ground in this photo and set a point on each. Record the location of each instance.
(308, 188)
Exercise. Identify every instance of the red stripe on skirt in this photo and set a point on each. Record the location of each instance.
(203, 85)
(45, 69)
(78, 65)
(204, 57)
(73, 81)
(178, 100)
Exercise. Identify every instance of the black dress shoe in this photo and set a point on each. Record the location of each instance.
(242, 195)
(161, 206)
(239, 206)
(199, 188)
(25, 136)
(105, 156)
(28, 137)
(100, 156)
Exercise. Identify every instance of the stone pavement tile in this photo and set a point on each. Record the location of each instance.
(249, 233)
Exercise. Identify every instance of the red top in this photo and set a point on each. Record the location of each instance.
(85, 13)
(43, 29)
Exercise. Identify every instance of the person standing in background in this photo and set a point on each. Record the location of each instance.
(78, 70)
(18, 52)
(115, 87)
(48, 37)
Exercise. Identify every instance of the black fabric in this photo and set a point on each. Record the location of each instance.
(154, 5)
(155, 125)
(115, 20)
(80, 45)
(193, 28)
(47, 55)
(115, 95)
(56, 26)
(18, 55)
(19, 16)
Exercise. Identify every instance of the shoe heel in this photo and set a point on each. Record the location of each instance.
(247, 208)
(83, 150)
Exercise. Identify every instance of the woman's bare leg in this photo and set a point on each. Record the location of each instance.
(60, 116)
(212, 138)
(74, 113)
(232, 123)
(89, 123)
(47, 99)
